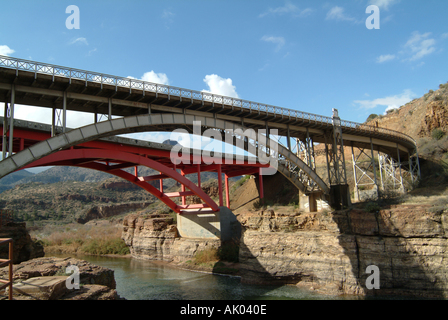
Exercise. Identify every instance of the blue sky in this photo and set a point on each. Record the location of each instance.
(305, 55)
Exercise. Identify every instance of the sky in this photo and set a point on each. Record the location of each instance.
(304, 55)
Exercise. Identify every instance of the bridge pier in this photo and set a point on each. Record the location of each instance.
(221, 225)
(313, 202)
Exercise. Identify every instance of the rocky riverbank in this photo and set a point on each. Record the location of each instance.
(96, 283)
(155, 237)
(328, 252)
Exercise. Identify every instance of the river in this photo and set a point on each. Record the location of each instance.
(146, 280)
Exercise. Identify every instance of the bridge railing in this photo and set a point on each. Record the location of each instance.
(131, 83)
(8, 262)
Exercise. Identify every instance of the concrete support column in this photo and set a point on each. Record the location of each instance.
(313, 202)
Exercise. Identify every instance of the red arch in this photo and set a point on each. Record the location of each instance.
(87, 158)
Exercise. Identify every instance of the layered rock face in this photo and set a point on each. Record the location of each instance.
(24, 248)
(330, 252)
(155, 238)
(98, 283)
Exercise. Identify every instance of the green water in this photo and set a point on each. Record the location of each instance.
(145, 280)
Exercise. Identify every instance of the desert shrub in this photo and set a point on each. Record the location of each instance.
(437, 134)
(240, 182)
(371, 117)
(110, 246)
(372, 207)
(207, 255)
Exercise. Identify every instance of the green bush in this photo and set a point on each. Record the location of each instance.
(437, 134)
(114, 246)
(371, 117)
(372, 207)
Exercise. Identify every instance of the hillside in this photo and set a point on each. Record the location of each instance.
(426, 120)
(69, 194)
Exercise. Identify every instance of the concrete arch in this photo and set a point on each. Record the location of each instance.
(65, 158)
(142, 123)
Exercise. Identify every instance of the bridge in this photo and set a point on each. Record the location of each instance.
(122, 105)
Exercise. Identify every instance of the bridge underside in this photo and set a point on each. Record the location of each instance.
(110, 157)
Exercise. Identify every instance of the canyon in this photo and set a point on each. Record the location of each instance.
(328, 252)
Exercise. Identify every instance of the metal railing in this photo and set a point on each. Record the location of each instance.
(88, 76)
(7, 262)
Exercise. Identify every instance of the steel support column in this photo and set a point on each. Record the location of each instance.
(260, 181)
(364, 179)
(11, 121)
(221, 202)
(227, 190)
(64, 113)
(5, 131)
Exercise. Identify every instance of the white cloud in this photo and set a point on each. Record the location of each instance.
(338, 13)
(445, 35)
(384, 4)
(168, 17)
(384, 58)
(80, 40)
(279, 41)
(416, 47)
(392, 102)
(288, 8)
(5, 50)
(420, 45)
(221, 86)
(151, 76)
(44, 115)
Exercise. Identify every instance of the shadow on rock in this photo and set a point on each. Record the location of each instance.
(406, 243)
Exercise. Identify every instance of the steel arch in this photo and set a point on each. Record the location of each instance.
(66, 157)
(143, 123)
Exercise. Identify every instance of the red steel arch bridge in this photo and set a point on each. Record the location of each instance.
(382, 159)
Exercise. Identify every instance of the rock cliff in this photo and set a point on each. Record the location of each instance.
(155, 237)
(98, 283)
(24, 248)
(329, 252)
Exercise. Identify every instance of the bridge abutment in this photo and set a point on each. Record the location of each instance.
(221, 225)
(313, 202)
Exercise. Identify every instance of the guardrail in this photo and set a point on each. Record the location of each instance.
(6, 262)
(71, 73)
